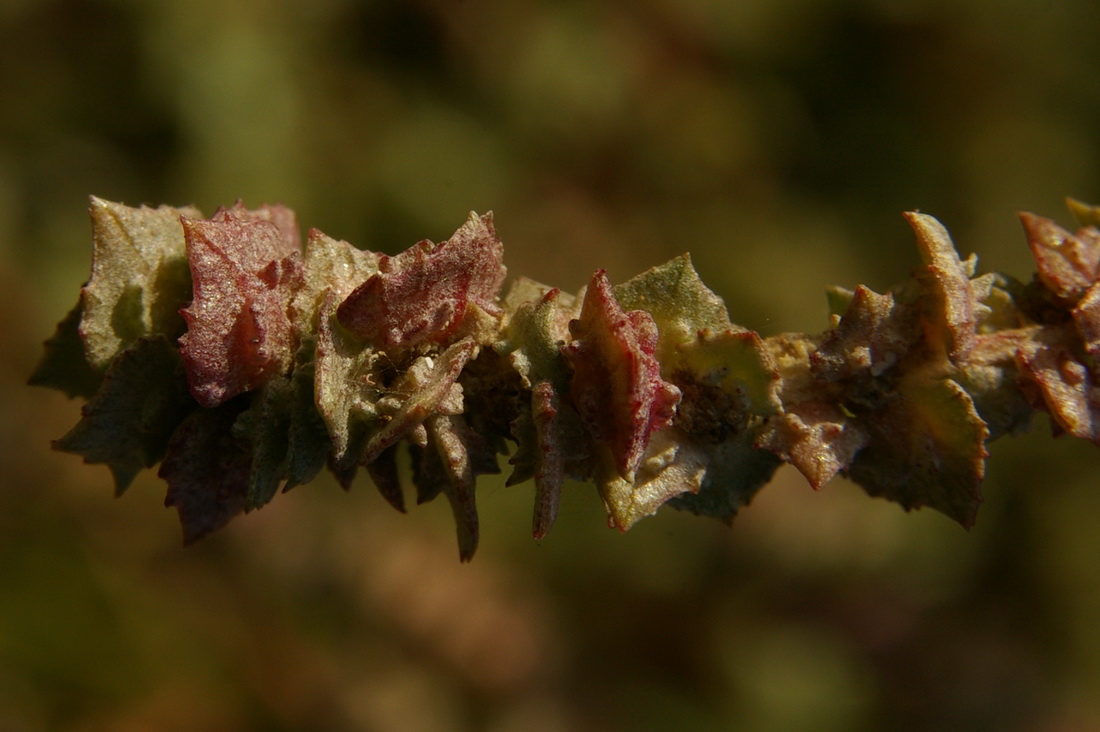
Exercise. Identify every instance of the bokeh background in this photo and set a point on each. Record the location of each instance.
(777, 140)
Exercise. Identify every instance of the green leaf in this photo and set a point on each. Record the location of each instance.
(207, 470)
(140, 278)
(428, 388)
(348, 382)
(735, 363)
(677, 300)
(333, 265)
(64, 366)
(309, 442)
(671, 466)
(128, 423)
(551, 443)
(288, 437)
(1085, 214)
(454, 457)
(735, 471)
(927, 448)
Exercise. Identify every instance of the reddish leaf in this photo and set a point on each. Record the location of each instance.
(550, 442)
(423, 294)
(1067, 264)
(617, 386)
(1087, 318)
(239, 332)
(1068, 388)
(282, 217)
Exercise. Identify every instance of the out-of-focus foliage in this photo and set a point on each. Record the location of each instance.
(774, 140)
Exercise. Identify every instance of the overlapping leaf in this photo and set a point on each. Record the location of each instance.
(423, 294)
(127, 424)
(926, 448)
(617, 386)
(246, 268)
(139, 278)
(342, 356)
(1068, 265)
(551, 444)
(207, 470)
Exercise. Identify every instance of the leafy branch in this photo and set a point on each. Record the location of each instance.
(243, 363)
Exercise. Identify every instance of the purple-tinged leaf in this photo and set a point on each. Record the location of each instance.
(239, 331)
(423, 294)
(1067, 264)
(617, 386)
(1068, 388)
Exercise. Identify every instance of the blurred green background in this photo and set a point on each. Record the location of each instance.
(777, 141)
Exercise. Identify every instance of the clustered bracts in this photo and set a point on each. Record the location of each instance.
(242, 363)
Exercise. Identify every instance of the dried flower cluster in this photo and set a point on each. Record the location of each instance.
(243, 363)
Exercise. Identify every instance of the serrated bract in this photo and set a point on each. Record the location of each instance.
(927, 448)
(344, 358)
(617, 386)
(246, 269)
(1067, 263)
(953, 302)
(207, 470)
(139, 277)
(127, 424)
(423, 294)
